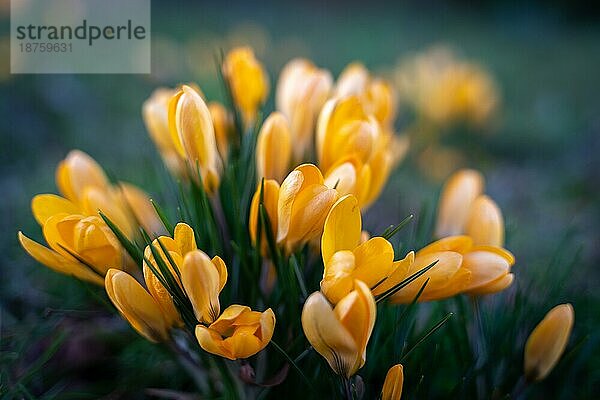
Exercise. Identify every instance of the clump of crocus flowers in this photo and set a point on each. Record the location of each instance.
(269, 228)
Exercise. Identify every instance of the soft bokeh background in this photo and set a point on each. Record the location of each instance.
(540, 159)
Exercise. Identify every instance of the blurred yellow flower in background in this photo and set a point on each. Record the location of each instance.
(223, 124)
(445, 89)
(548, 341)
(248, 82)
(302, 89)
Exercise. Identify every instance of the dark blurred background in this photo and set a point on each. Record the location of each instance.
(540, 158)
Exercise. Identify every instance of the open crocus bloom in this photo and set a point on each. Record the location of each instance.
(341, 333)
(82, 246)
(344, 256)
(136, 305)
(238, 333)
(461, 268)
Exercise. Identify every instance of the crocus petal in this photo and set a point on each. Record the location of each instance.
(136, 305)
(460, 191)
(201, 281)
(184, 238)
(485, 267)
(44, 206)
(342, 227)
(485, 223)
(458, 244)
(374, 260)
(57, 262)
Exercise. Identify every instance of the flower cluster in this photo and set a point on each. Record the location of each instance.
(280, 202)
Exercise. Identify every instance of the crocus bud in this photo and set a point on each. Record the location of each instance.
(341, 334)
(302, 90)
(155, 112)
(485, 224)
(136, 305)
(270, 197)
(193, 135)
(392, 386)
(458, 195)
(273, 148)
(77, 172)
(238, 333)
(203, 279)
(223, 123)
(304, 202)
(248, 82)
(547, 342)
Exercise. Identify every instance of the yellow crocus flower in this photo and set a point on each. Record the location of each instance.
(202, 279)
(548, 341)
(303, 204)
(461, 268)
(76, 243)
(345, 258)
(238, 333)
(347, 132)
(378, 95)
(155, 112)
(193, 134)
(136, 305)
(248, 82)
(444, 89)
(274, 148)
(224, 126)
(392, 386)
(345, 129)
(302, 90)
(82, 180)
(459, 192)
(341, 333)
